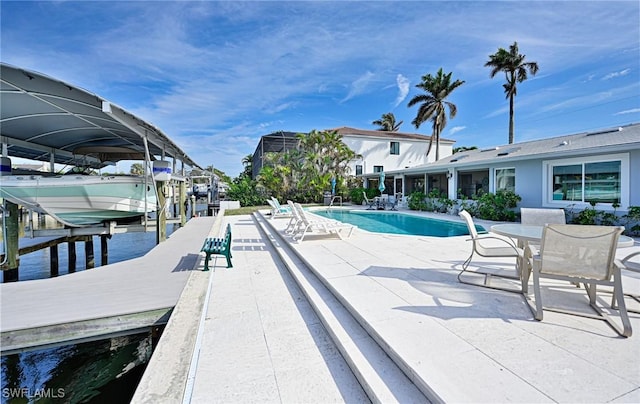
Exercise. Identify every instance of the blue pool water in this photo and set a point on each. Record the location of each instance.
(398, 223)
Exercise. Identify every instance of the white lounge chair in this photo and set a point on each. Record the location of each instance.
(295, 222)
(277, 210)
(580, 254)
(499, 248)
(318, 225)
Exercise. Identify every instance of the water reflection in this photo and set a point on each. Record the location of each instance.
(93, 372)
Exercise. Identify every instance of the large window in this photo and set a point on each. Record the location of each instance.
(602, 180)
(505, 179)
(378, 169)
(358, 169)
(395, 148)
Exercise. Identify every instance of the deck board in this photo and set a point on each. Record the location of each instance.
(145, 284)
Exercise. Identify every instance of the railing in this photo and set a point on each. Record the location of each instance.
(337, 197)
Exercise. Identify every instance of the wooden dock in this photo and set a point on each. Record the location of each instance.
(109, 300)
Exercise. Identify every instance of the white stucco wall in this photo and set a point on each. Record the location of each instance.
(375, 151)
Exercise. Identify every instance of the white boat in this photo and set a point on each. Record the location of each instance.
(81, 200)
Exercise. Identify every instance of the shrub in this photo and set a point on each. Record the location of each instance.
(417, 201)
(498, 206)
(438, 202)
(356, 195)
(632, 221)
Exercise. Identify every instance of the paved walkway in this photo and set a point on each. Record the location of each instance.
(262, 341)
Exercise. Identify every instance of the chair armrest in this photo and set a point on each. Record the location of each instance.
(533, 249)
(624, 263)
(509, 241)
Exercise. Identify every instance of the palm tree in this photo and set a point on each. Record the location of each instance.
(512, 63)
(433, 104)
(387, 123)
(247, 162)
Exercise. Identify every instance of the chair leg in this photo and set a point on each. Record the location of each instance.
(538, 296)
(625, 331)
(590, 287)
(465, 264)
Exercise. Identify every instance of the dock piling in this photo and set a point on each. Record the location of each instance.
(54, 262)
(72, 256)
(88, 252)
(10, 266)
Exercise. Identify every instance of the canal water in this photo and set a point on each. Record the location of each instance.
(105, 371)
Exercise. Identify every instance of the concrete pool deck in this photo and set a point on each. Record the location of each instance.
(453, 342)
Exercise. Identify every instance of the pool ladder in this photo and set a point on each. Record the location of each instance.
(337, 197)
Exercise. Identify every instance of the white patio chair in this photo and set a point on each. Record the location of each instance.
(368, 201)
(582, 254)
(540, 217)
(626, 264)
(319, 225)
(501, 248)
(537, 217)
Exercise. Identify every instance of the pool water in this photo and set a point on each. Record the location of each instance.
(398, 223)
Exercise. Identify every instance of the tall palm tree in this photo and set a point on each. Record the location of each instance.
(433, 104)
(388, 123)
(515, 69)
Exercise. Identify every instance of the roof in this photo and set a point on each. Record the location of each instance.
(386, 134)
(41, 115)
(602, 141)
(277, 142)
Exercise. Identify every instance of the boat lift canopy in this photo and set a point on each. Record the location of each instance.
(44, 119)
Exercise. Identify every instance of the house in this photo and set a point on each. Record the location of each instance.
(558, 172)
(389, 151)
(379, 150)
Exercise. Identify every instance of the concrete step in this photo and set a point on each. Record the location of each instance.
(378, 374)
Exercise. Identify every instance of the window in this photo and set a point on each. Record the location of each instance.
(505, 179)
(378, 169)
(588, 182)
(358, 169)
(601, 180)
(395, 148)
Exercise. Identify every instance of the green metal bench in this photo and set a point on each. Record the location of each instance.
(218, 246)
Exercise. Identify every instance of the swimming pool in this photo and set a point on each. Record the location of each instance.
(397, 223)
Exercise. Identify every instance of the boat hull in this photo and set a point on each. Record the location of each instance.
(81, 200)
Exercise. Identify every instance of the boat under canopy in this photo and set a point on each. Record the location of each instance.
(82, 200)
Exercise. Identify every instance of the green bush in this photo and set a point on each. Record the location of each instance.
(244, 189)
(592, 216)
(439, 202)
(632, 221)
(417, 201)
(498, 206)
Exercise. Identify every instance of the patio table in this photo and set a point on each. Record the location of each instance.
(533, 234)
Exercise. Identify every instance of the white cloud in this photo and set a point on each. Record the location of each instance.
(359, 86)
(403, 89)
(628, 111)
(456, 129)
(616, 74)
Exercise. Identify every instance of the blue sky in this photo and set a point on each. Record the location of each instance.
(215, 76)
